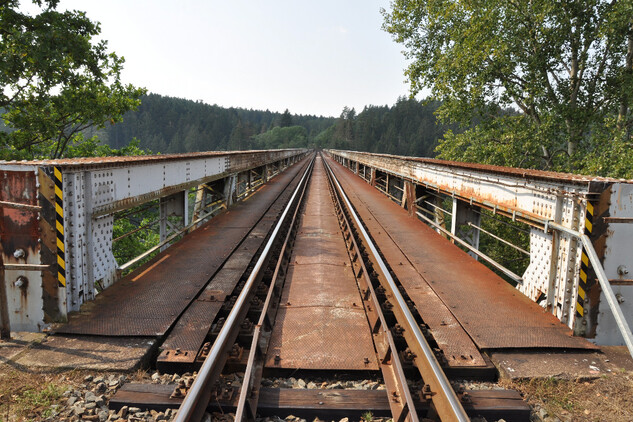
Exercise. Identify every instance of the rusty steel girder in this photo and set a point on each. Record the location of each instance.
(56, 219)
(558, 276)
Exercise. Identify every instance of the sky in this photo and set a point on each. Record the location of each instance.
(311, 57)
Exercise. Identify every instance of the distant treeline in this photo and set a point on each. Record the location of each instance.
(169, 125)
(407, 128)
(172, 125)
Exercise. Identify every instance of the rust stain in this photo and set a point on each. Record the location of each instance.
(269, 155)
(18, 228)
(491, 311)
(527, 174)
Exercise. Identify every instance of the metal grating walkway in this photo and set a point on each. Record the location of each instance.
(148, 301)
(493, 313)
(321, 323)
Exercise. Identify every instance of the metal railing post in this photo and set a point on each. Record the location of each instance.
(623, 325)
(5, 326)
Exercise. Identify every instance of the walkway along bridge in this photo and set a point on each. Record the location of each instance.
(226, 216)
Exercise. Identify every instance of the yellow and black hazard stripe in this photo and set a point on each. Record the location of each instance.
(584, 284)
(59, 226)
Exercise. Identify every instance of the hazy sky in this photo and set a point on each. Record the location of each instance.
(312, 57)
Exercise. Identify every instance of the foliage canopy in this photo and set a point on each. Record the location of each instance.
(55, 80)
(549, 82)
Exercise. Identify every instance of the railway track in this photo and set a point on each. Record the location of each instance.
(354, 319)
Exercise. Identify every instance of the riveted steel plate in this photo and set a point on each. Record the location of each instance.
(457, 346)
(148, 301)
(321, 323)
(492, 312)
(189, 331)
(327, 223)
(317, 337)
(333, 288)
(321, 249)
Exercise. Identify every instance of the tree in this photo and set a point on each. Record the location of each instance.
(282, 137)
(56, 82)
(539, 83)
(286, 119)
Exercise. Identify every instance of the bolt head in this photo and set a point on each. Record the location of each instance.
(21, 282)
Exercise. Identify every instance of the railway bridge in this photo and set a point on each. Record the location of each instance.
(325, 262)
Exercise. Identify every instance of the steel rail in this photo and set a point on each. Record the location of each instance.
(195, 402)
(444, 398)
(390, 364)
(246, 408)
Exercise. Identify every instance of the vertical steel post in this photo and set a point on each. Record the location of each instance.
(5, 326)
(201, 201)
(408, 198)
(162, 215)
(552, 279)
(464, 213)
(438, 216)
(230, 183)
(185, 206)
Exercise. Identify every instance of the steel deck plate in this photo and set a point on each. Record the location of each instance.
(329, 279)
(321, 323)
(190, 331)
(148, 301)
(325, 338)
(493, 313)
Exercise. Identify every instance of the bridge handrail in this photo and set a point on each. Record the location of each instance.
(623, 325)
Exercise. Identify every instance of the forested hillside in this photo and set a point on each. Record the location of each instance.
(407, 128)
(171, 125)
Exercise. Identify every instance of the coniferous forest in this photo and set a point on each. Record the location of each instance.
(173, 125)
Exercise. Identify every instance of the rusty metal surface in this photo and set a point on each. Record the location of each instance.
(492, 312)
(147, 301)
(141, 159)
(20, 232)
(333, 291)
(18, 226)
(457, 346)
(459, 349)
(190, 331)
(321, 324)
(318, 337)
(513, 171)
